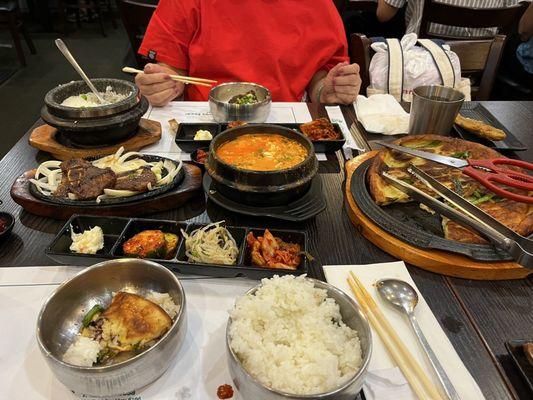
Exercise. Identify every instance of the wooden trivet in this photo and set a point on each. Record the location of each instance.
(440, 262)
(44, 138)
(190, 186)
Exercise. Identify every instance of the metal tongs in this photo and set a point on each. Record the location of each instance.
(464, 212)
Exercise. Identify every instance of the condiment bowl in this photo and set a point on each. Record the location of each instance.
(251, 388)
(223, 111)
(61, 316)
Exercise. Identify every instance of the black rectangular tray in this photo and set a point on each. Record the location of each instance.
(477, 111)
(186, 132)
(515, 350)
(117, 230)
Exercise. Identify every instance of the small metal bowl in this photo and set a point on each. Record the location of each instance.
(61, 315)
(57, 95)
(251, 388)
(223, 111)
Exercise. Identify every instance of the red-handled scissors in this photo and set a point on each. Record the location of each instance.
(484, 171)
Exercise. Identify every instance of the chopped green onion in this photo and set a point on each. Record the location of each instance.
(462, 154)
(458, 188)
(90, 315)
(83, 96)
(482, 199)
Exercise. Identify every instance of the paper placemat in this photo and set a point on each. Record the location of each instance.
(200, 367)
(198, 111)
(464, 383)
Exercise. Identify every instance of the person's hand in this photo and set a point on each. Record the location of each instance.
(157, 86)
(342, 84)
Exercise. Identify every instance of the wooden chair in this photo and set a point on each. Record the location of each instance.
(505, 19)
(479, 59)
(135, 16)
(10, 19)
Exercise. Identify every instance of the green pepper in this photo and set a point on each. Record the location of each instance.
(90, 315)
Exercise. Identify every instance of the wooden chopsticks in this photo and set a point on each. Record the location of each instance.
(412, 371)
(185, 79)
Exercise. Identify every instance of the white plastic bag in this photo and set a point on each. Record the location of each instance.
(420, 67)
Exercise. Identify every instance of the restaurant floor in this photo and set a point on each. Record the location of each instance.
(21, 96)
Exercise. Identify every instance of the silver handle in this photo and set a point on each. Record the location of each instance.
(70, 58)
(441, 374)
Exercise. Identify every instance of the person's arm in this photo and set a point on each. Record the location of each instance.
(387, 9)
(340, 85)
(166, 44)
(525, 27)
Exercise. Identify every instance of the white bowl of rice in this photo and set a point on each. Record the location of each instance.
(297, 338)
(74, 356)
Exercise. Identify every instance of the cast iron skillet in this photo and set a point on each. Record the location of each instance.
(119, 200)
(409, 223)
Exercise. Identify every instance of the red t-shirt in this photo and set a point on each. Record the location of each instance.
(279, 44)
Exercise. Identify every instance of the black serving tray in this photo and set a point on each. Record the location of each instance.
(117, 230)
(477, 111)
(186, 131)
(308, 206)
(515, 350)
(409, 223)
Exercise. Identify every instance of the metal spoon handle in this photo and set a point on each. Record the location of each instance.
(63, 49)
(441, 374)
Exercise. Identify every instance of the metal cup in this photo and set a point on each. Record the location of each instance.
(433, 109)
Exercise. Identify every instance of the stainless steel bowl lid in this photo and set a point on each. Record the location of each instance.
(57, 95)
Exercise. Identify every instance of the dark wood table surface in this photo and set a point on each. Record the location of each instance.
(478, 316)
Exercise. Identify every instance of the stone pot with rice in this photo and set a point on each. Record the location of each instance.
(81, 121)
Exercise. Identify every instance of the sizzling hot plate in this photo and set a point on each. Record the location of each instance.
(119, 200)
(412, 225)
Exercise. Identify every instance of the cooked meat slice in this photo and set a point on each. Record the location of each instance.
(91, 183)
(137, 181)
(74, 163)
(131, 321)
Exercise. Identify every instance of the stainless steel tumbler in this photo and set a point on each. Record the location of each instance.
(433, 109)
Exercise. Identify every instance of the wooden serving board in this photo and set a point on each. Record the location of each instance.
(190, 186)
(44, 138)
(437, 261)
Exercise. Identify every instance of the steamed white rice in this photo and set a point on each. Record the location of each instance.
(83, 352)
(164, 301)
(290, 336)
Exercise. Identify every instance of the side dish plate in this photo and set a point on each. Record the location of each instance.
(118, 230)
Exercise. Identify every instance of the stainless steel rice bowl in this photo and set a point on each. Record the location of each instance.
(251, 388)
(61, 316)
(223, 111)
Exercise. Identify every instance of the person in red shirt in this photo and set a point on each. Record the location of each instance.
(295, 48)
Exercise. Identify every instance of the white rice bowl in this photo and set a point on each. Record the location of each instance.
(290, 336)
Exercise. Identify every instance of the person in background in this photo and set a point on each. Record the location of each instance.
(524, 52)
(297, 49)
(413, 15)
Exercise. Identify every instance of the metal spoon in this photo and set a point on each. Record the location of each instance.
(404, 297)
(63, 49)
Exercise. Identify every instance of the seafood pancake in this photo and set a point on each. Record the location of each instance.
(517, 216)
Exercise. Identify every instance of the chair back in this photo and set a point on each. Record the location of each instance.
(479, 59)
(505, 19)
(135, 16)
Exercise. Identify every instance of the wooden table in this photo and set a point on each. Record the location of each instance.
(478, 316)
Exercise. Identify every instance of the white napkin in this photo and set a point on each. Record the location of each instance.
(388, 383)
(384, 383)
(381, 113)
